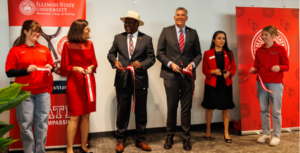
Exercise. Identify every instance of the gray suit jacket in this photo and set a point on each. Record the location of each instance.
(143, 52)
(168, 50)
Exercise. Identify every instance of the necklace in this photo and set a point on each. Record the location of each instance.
(219, 52)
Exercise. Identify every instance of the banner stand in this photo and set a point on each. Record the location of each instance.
(249, 24)
(55, 17)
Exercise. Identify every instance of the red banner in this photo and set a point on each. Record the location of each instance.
(249, 23)
(55, 17)
(46, 12)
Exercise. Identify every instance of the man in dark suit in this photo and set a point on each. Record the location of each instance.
(178, 47)
(133, 48)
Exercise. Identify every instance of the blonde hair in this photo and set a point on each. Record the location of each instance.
(272, 30)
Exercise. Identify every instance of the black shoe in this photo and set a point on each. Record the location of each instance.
(187, 145)
(227, 140)
(81, 150)
(169, 143)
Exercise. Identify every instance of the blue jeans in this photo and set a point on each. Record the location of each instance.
(275, 101)
(34, 110)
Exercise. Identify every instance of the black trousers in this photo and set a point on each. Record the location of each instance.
(179, 89)
(124, 96)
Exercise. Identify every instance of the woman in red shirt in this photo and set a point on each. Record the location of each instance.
(270, 62)
(219, 68)
(31, 63)
(78, 63)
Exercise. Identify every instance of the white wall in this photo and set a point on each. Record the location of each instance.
(4, 48)
(206, 16)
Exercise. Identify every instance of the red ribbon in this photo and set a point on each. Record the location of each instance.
(130, 68)
(261, 83)
(228, 68)
(190, 72)
(90, 90)
(247, 76)
(47, 70)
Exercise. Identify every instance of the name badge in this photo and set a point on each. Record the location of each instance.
(212, 57)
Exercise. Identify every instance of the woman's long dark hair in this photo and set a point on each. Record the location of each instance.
(75, 33)
(225, 47)
(28, 25)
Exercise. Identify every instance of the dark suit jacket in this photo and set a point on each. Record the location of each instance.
(143, 52)
(168, 50)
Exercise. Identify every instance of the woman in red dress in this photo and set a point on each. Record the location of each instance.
(78, 63)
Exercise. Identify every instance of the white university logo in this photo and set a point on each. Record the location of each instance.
(27, 7)
(257, 42)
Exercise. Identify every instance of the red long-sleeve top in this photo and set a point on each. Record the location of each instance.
(21, 57)
(266, 58)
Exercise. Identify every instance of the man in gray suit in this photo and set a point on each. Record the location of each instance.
(133, 48)
(178, 47)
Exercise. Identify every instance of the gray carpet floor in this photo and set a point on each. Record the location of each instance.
(240, 144)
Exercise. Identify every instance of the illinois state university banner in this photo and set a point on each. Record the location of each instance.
(55, 17)
(249, 24)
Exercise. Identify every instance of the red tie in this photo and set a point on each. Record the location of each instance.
(131, 47)
(181, 43)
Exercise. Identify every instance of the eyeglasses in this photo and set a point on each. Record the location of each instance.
(88, 29)
(37, 32)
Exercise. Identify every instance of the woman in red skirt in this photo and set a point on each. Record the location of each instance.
(78, 63)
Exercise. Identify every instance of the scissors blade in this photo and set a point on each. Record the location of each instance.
(181, 74)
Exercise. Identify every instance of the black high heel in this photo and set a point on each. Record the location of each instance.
(207, 138)
(227, 140)
(81, 150)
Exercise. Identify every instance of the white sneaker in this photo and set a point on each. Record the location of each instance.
(263, 138)
(274, 141)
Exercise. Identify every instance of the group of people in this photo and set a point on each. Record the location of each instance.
(132, 54)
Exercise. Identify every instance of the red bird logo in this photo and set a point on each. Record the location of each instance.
(286, 25)
(253, 24)
(290, 122)
(289, 90)
(254, 91)
(257, 125)
(242, 75)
